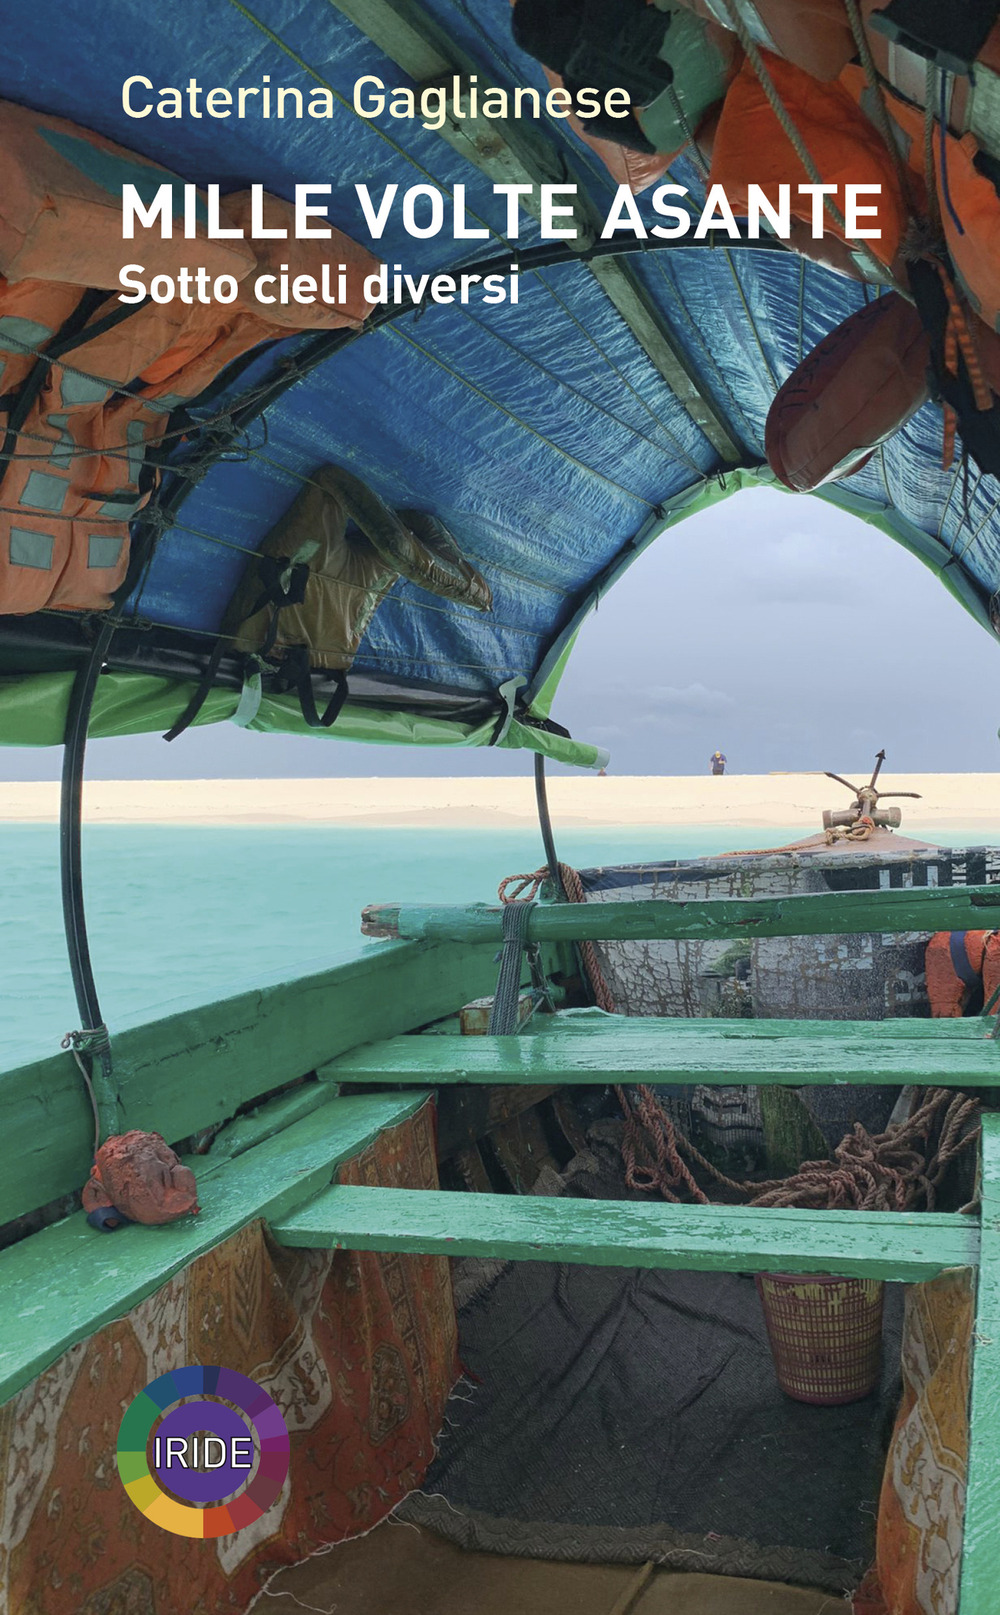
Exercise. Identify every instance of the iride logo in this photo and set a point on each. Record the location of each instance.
(203, 1451)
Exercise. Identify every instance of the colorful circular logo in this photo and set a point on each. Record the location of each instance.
(191, 1463)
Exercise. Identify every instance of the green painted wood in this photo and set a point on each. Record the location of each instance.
(245, 1132)
(612, 1048)
(621, 1233)
(60, 1285)
(189, 1070)
(981, 1551)
(953, 908)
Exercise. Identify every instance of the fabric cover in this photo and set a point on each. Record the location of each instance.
(703, 60)
(617, 1414)
(61, 207)
(357, 1350)
(923, 1492)
(814, 34)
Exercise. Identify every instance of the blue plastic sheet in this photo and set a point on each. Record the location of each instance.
(541, 434)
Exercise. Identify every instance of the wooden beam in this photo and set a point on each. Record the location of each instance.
(467, 1115)
(603, 1049)
(622, 1233)
(918, 908)
(60, 1285)
(188, 1070)
(511, 151)
(981, 1552)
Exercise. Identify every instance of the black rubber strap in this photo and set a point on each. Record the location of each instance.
(200, 696)
(71, 872)
(307, 700)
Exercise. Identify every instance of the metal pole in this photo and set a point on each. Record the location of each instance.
(93, 1043)
(545, 824)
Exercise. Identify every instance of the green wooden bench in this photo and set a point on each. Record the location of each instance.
(597, 1048)
(622, 1233)
(593, 1048)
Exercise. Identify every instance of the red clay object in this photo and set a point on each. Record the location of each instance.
(140, 1175)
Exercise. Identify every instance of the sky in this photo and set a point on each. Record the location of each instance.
(784, 632)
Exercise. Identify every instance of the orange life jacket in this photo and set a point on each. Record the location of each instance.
(954, 967)
(636, 169)
(751, 147)
(970, 100)
(61, 207)
(73, 476)
(968, 199)
(814, 35)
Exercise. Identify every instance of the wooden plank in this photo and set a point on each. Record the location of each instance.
(621, 1233)
(247, 1131)
(981, 1553)
(655, 337)
(474, 1018)
(184, 1072)
(60, 1285)
(918, 908)
(946, 1054)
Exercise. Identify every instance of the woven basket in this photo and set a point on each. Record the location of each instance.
(825, 1335)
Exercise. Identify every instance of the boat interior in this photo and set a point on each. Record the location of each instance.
(628, 1240)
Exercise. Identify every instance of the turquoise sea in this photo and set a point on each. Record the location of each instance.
(182, 915)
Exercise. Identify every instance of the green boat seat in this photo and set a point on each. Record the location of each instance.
(909, 1246)
(592, 1047)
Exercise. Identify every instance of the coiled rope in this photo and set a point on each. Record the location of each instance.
(900, 1169)
(861, 830)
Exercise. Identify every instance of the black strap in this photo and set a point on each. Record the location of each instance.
(979, 429)
(960, 958)
(72, 334)
(200, 696)
(503, 1019)
(966, 974)
(284, 584)
(297, 675)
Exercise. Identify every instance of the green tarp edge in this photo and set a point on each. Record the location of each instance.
(931, 551)
(33, 711)
(33, 706)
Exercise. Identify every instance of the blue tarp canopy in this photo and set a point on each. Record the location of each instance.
(544, 435)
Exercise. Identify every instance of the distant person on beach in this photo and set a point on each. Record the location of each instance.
(717, 762)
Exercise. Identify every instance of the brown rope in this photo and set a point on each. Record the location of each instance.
(525, 888)
(653, 1149)
(898, 1170)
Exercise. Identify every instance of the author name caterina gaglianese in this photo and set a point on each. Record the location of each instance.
(456, 99)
